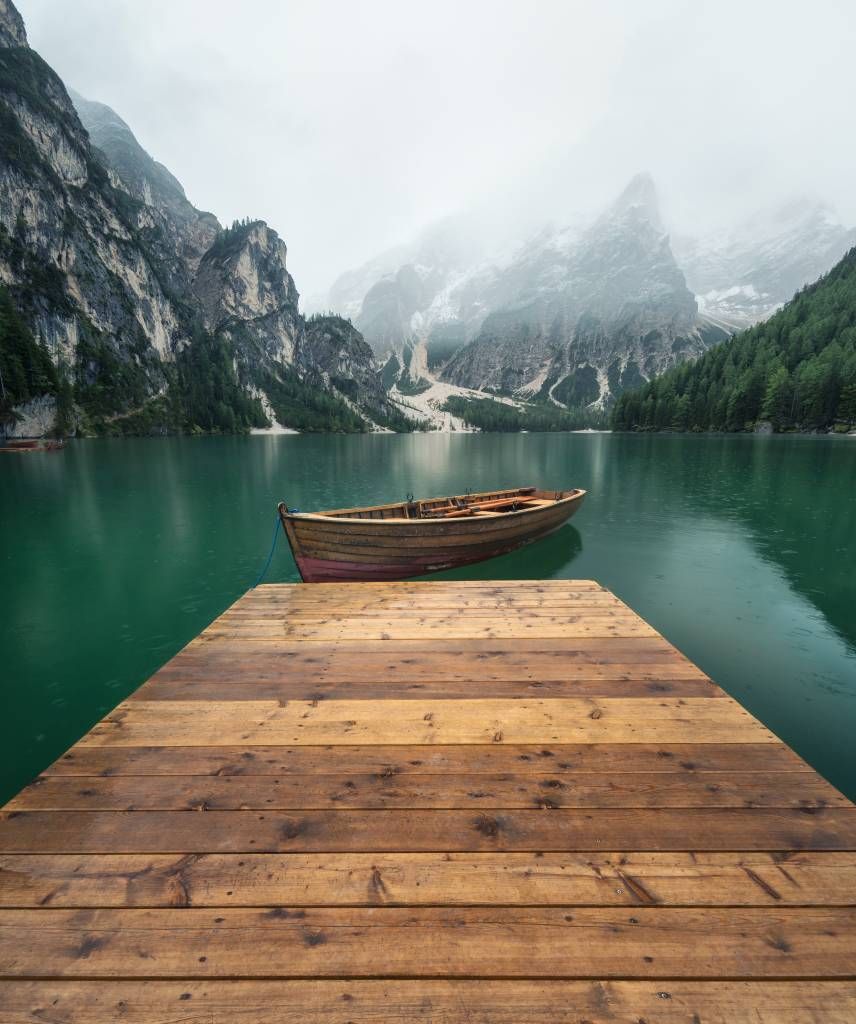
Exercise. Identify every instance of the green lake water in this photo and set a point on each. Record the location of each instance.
(740, 550)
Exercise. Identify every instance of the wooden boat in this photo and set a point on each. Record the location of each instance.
(32, 444)
(411, 538)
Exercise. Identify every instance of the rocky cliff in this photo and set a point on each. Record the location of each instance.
(584, 315)
(572, 315)
(118, 275)
(578, 313)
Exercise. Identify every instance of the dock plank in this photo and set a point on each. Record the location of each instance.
(414, 879)
(507, 791)
(476, 721)
(411, 759)
(407, 801)
(360, 628)
(709, 828)
(485, 1001)
(340, 942)
(614, 681)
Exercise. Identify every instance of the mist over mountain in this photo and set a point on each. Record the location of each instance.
(575, 314)
(140, 312)
(745, 274)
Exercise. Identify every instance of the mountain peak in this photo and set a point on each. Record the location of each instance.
(641, 193)
(12, 31)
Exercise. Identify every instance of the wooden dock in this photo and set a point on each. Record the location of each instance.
(463, 803)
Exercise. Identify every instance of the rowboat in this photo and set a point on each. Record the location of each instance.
(412, 538)
(32, 444)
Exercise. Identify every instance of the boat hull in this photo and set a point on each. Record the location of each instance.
(331, 549)
(41, 444)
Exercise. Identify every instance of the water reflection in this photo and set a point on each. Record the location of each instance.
(545, 559)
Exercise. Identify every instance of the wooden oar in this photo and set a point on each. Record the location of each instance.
(488, 506)
(498, 503)
(450, 510)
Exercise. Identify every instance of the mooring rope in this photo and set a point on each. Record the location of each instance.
(276, 528)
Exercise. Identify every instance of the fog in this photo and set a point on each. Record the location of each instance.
(349, 126)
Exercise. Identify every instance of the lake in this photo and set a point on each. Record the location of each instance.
(740, 550)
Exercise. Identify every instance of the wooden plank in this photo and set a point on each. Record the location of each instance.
(543, 942)
(573, 612)
(367, 791)
(418, 659)
(238, 683)
(449, 1002)
(397, 629)
(412, 879)
(606, 720)
(420, 760)
(562, 830)
(491, 588)
(544, 654)
(420, 785)
(472, 603)
(502, 590)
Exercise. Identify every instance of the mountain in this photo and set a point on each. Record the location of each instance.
(126, 309)
(744, 275)
(173, 229)
(578, 313)
(796, 370)
(571, 315)
(584, 315)
(421, 285)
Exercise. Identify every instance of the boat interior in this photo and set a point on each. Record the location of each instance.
(482, 504)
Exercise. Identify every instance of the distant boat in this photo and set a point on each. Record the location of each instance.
(32, 444)
(412, 538)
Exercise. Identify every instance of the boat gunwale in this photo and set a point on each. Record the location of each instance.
(332, 515)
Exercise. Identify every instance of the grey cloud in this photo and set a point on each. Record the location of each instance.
(349, 125)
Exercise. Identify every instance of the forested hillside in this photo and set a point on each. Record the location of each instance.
(796, 371)
(498, 417)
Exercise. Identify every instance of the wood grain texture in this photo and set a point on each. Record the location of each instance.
(459, 627)
(545, 942)
(430, 1001)
(425, 722)
(411, 759)
(510, 790)
(229, 683)
(340, 831)
(413, 879)
(480, 802)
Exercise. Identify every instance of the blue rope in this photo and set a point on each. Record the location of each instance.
(276, 528)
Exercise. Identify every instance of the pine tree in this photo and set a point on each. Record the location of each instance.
(777, 397)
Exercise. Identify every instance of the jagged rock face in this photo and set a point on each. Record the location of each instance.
(243, 281)
(68, 240)
(99, 244)
(388, 308)
(579, 314)
(12, 31)
(334, 347)
(35, 418)
(173, 230)
(583, 312)
(744, 275)
(574, 314)
(397, 297)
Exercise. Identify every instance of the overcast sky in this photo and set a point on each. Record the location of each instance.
(350, 124)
